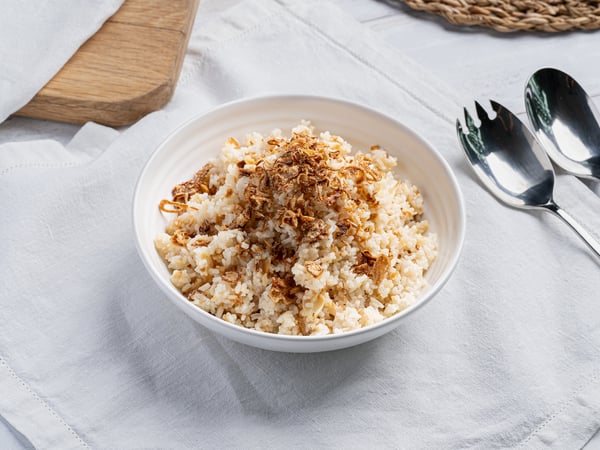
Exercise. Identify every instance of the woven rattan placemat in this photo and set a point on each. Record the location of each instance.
(516, 15)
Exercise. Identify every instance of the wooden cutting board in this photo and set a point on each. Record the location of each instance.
(128, 69)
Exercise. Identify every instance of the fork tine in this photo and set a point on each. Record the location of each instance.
(481, 112)
(503, 115)
(465, 143)
(497, 107)
(469, 122)
(464, 138)
(459, 128)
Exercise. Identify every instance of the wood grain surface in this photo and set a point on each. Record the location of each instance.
(128, 69)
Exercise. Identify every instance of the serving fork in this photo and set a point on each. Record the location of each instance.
(511, 163)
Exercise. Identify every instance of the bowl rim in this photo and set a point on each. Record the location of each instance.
(186, 305)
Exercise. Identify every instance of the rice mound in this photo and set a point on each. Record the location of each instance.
(297, 235)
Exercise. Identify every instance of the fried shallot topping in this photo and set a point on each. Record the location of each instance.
(170, 206)
(374, 267)
(297, 183)
(199, 184)
(313, 268)
(284, 290)
(302, 183)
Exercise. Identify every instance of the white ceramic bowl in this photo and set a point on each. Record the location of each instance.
(193, 144)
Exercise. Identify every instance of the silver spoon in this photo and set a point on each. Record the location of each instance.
(565, 121)
(512, 164)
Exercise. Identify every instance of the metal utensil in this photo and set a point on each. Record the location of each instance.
(565, 121)
(512, 164)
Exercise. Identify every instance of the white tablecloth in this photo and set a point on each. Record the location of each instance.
(93, 355)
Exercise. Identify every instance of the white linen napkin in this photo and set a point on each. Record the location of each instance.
(93, 356)
(37, 39)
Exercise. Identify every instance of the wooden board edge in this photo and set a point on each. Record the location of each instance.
(118, 113)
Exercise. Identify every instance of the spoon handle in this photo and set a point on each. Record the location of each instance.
(592, 243)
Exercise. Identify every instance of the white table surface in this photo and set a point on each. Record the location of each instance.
(476, 63)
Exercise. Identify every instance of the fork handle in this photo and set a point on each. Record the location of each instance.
(591, 242)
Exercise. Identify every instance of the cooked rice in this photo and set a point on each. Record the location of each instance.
(297, 235)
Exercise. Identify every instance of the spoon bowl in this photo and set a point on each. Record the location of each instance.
(565, 121)
(512, 164)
